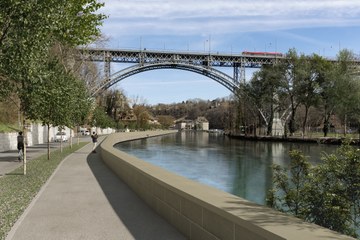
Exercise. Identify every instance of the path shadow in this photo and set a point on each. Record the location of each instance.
(139, 219)
(14, 174)
(9, 156)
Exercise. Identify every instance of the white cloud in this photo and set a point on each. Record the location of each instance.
(233, 25)
(189, 17)
(225, 8)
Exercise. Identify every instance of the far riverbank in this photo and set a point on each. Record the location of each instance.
(319, 140)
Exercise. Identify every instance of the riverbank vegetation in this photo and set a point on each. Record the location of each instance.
(17, 190)
(327, 194)
(41, 77)
(39, 71)
(309, 96)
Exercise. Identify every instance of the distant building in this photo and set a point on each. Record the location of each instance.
(184, 124)
(200, 124)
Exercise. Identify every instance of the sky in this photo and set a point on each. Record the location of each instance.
(224, 26)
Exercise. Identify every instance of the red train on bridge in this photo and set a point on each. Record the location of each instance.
(262, 54)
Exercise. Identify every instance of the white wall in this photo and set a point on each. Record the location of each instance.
(36, 134)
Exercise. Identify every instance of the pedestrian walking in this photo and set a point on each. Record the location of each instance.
(94, 138)
(20, 146)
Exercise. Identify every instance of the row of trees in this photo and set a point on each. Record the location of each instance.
(300, 84)
(38, 69)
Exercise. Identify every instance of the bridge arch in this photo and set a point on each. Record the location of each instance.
(210, 72)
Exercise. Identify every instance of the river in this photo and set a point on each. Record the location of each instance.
(239, 167)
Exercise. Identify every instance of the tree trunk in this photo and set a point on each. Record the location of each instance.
(345, 126)
(48, 142)
(70, 140)
(292, 122)
(25, 144)
(326, 126)
(270, 122)
(305, 120)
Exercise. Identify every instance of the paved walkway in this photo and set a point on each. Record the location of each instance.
(84, 200)
(9, 159)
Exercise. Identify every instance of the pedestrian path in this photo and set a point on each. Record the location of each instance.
(9, 159)
(84, 200)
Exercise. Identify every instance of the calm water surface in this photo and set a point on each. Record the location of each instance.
(239, 167)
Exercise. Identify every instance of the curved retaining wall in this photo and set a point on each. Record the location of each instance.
(200, 211)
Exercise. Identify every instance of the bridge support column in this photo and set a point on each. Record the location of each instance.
(107, 60)
(239, 73)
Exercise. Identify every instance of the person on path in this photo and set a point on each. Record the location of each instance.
(94, 138)
(20, 145)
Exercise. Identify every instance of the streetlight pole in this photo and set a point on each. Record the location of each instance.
(209, 43)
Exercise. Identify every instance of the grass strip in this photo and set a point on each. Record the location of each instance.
(18, 190)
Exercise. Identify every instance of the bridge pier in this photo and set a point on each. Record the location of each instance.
(239, 73)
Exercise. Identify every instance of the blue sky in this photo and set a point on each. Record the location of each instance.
(227, 26)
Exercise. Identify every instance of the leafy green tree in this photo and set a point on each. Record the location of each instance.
(101, 119)
(349, 104)
(28, 29)
(79, 104)
(334, 83)
(61, 99)
(263, 92)
(308, 88)
(295, 72)
(289, 188)
(327, 194)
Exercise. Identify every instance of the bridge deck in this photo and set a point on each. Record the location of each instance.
(195, 58)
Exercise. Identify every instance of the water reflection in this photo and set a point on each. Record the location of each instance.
(242, 168)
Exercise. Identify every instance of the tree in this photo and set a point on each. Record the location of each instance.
(294, 72)
(334, 81)
(115, 104)
(263, 92)
(166, 121)
(293, 186)
(101, 119)
(28, 29)
(142, 117)
(217, 116)
(350, 100)
(327, 194)
(308, 87)
(61, 99)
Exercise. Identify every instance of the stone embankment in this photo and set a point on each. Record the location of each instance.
(200, 211)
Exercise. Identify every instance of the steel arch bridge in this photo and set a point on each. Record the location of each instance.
(212, 73)
(204, 63)
(197, 62)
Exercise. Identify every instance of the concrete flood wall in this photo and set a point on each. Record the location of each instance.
(200, 211)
